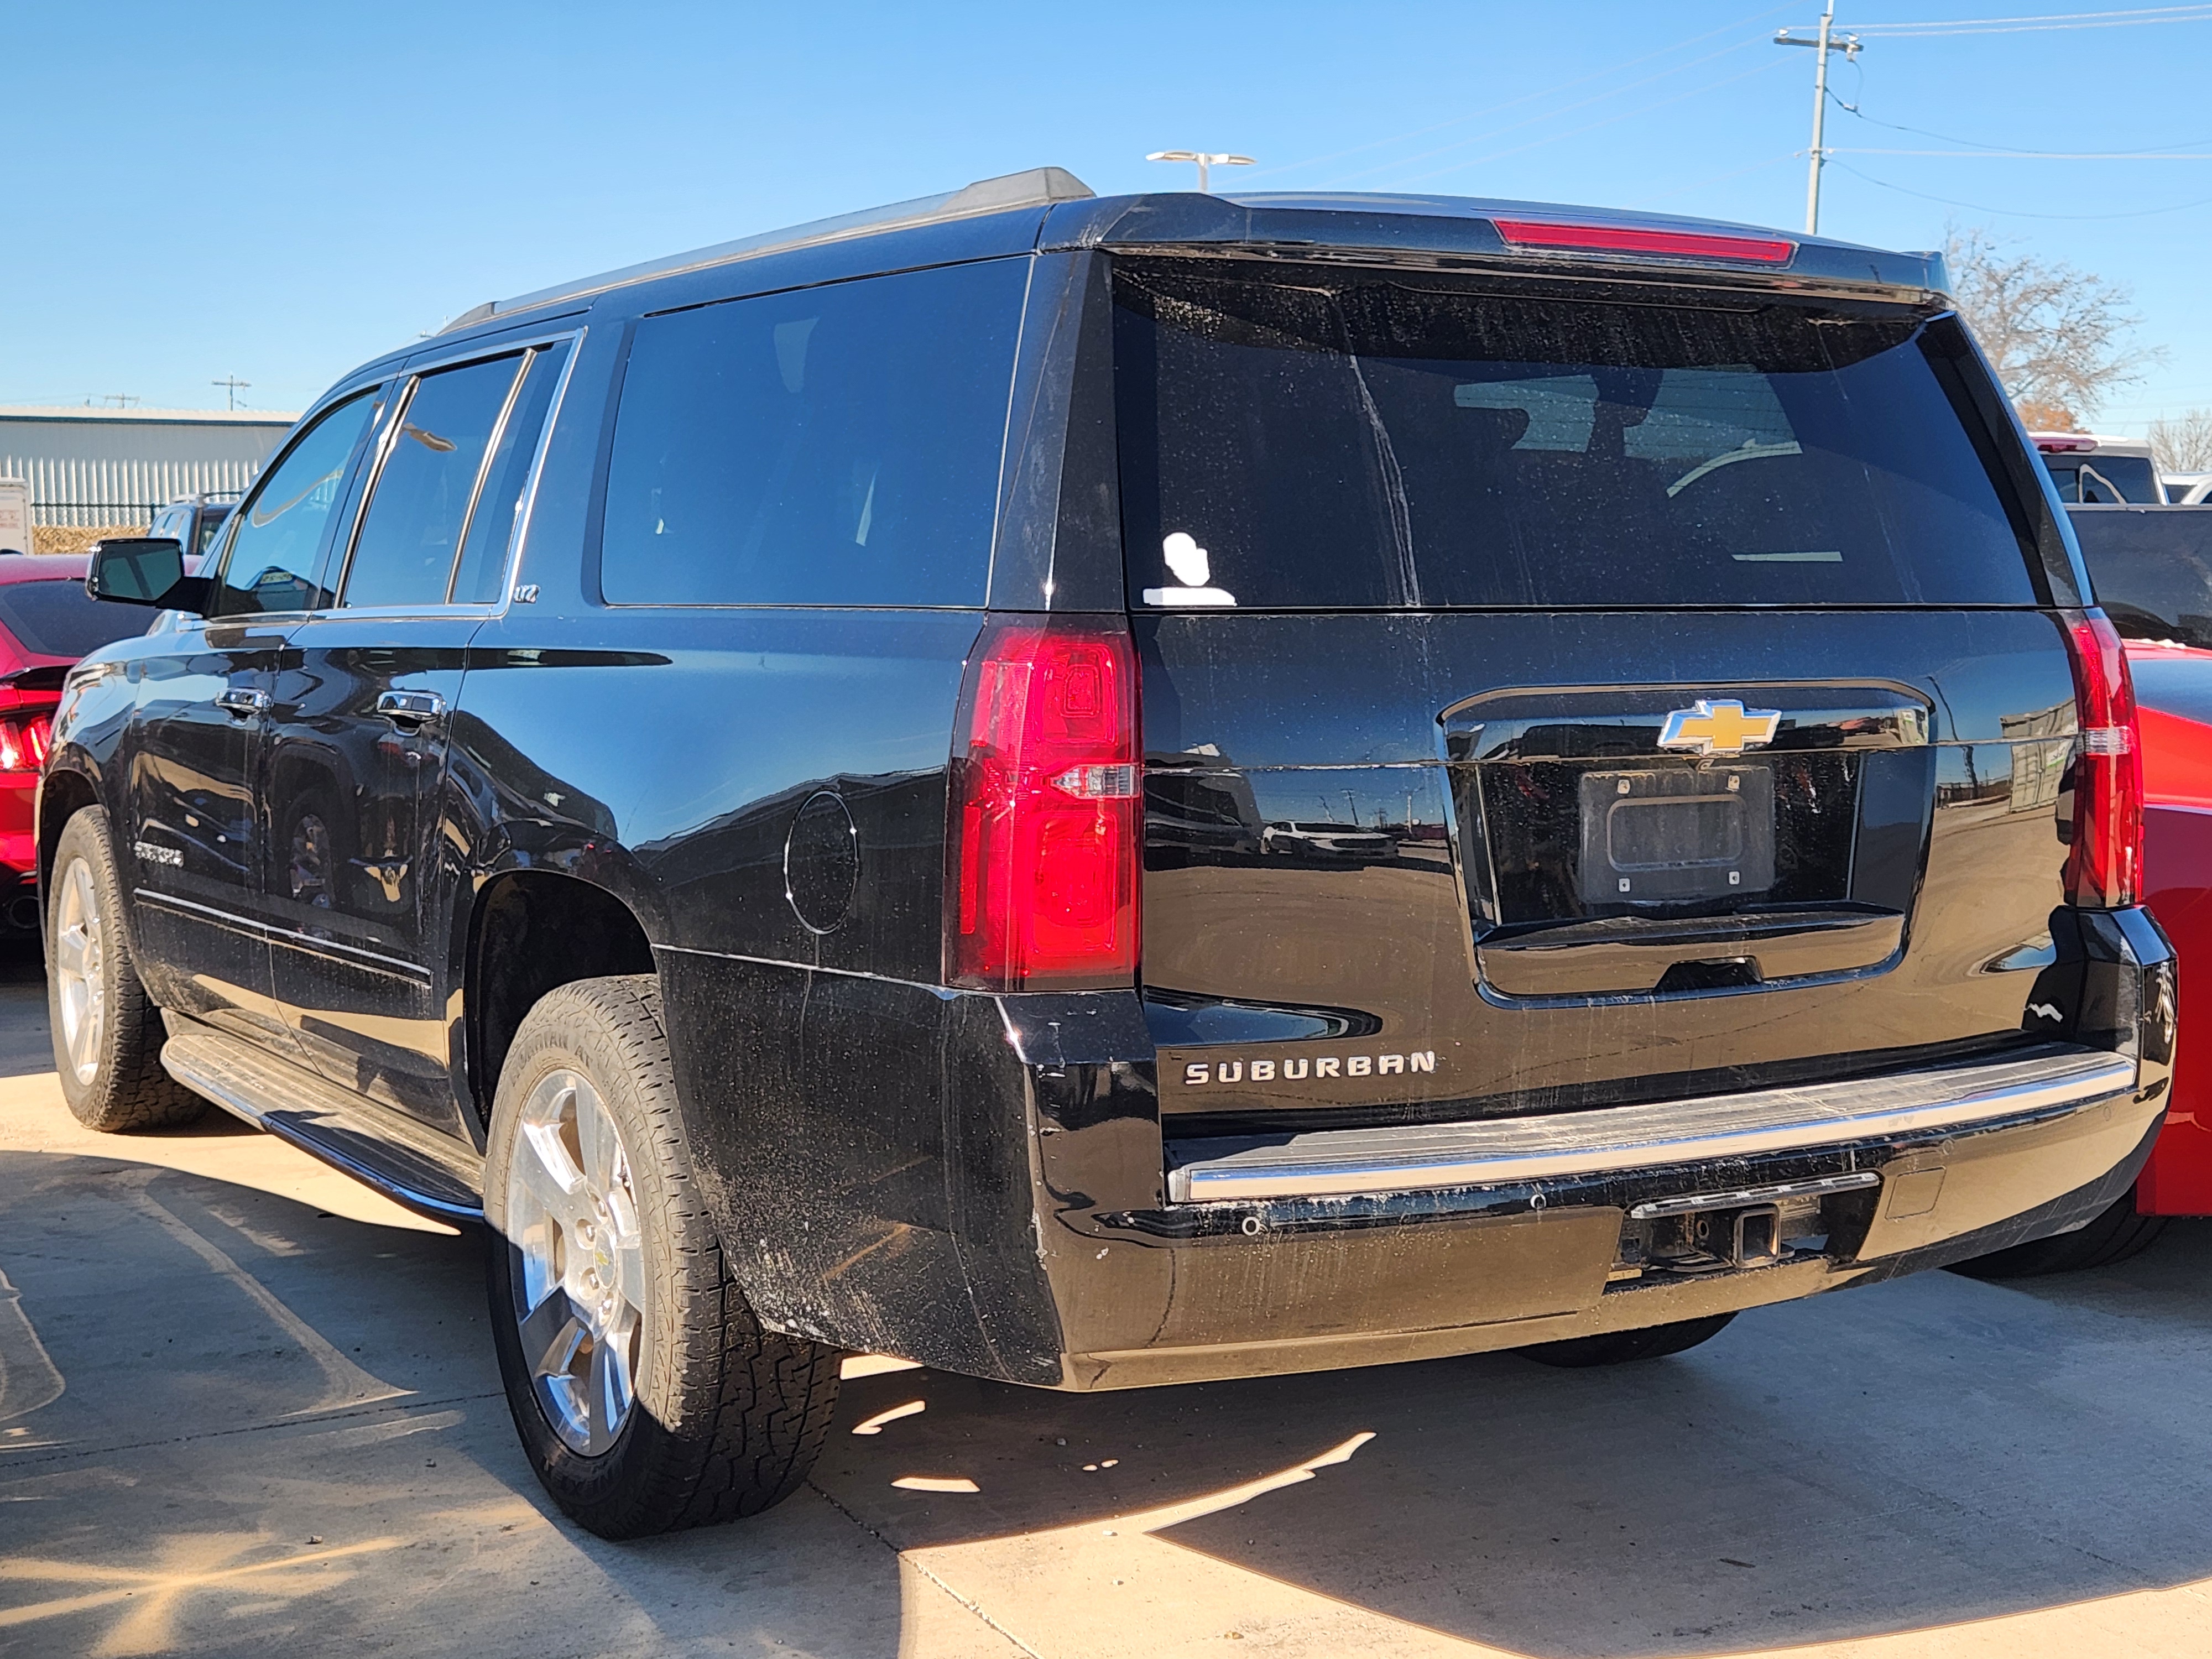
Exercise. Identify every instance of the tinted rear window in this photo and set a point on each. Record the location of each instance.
(1377, 443)
(833, 446)
(58, 619)
(2151, 572)
(2103, 480)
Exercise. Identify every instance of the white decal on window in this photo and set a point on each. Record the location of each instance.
(1188, 563)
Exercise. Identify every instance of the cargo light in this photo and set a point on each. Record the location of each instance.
(24, 742)
(1639, 238)
(2065, 446)
(2104, 851)
(1046, 815)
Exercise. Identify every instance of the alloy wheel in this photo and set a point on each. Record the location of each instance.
(578, 1261)
(80, 987)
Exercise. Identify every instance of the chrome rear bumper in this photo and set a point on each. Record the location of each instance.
(1350, 1163)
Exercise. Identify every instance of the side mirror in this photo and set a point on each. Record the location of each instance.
(144, 570)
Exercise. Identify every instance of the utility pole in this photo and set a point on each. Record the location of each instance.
(1205, 159)
(233, 386)
(1822, 44)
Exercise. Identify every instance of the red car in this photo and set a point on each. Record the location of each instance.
(2151, 568)
(46, 622)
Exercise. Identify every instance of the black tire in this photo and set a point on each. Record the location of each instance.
(1621, 1347)
(115, 1081)
(2116, 1233)
(728, 1417)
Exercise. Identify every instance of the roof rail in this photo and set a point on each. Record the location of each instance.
(1037, 187)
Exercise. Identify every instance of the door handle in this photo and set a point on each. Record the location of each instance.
(242, 704)
(410, 708)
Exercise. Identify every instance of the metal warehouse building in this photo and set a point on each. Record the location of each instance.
(112, 469)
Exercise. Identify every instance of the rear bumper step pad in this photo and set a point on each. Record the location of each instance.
(1497, 1151)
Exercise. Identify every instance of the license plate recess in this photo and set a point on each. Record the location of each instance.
(1676, 834)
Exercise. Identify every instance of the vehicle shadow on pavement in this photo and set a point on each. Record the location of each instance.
(1917, 1454)
(232, 1422)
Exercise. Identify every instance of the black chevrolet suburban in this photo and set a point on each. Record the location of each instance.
(1099, 793)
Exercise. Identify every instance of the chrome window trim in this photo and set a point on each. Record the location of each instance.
(523, 348)
(526, 512)
(215, 565)
(497, 436)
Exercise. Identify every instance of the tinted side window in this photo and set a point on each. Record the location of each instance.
(413, 530)
(837, 446)
(273, 554)
(492, 526)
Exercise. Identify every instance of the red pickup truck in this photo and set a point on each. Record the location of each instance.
(2152, 567)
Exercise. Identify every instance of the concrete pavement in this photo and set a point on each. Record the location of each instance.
(247, 1408)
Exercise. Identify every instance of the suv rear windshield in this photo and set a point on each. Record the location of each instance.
(1330, 443)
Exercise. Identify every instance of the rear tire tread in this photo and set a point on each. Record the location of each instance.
(751, 1412)
(2114, 1235)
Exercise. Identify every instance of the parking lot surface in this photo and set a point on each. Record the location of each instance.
(247, 1407)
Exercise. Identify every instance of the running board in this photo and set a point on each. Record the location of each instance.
(409, 1163)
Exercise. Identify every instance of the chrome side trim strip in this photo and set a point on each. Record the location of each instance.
(335, 949)
(1501, 1150)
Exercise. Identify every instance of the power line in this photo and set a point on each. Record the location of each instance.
(1529, 97)
(1548, 115)
(2013, 212)
(2133, 18)
(1718, 177)
(2039, 154)
(1610, 120)
(2000, 149)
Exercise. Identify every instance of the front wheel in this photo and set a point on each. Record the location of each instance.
(1620, 1347)
(647, 1395)
(107, 1032)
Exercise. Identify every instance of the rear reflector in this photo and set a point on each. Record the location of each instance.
(1634, 238)
(1046, 814)
(2104, 860)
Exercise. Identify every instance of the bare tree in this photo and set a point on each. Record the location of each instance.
(2057, 336)
(2182, 444)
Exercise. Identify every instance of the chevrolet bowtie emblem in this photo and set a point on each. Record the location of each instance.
(1719, 726)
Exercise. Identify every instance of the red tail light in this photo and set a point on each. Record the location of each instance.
(1637, 238)
(1047, 811)
(2103, 861)
(24, 742)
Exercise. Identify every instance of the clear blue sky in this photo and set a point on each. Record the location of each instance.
(279, 192)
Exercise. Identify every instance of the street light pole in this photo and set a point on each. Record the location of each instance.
(1822, 44)
(1205, 159)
